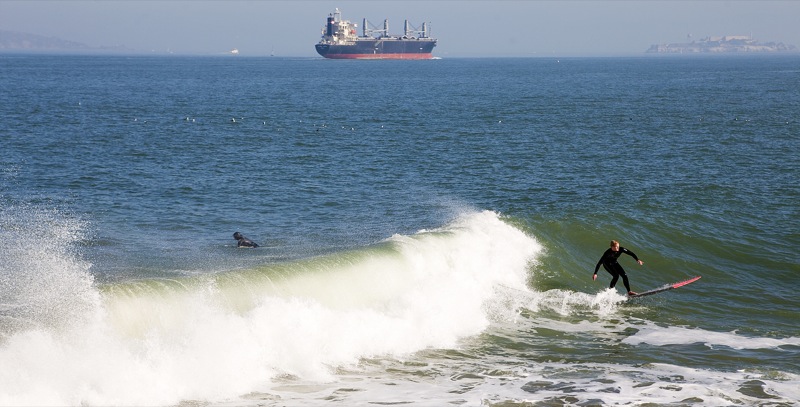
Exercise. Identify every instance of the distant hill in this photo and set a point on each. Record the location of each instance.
(17, 41)
(724, 44)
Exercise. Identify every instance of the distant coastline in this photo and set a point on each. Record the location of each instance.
(723, 44)
(17, 41)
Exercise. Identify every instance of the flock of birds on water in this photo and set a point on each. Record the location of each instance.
(241, 119)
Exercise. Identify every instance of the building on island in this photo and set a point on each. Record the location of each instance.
(721, 44)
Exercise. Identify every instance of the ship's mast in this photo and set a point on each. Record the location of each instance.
(409, 30)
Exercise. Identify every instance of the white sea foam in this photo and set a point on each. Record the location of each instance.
(190, 342)
(604, 304)
(660, 384)
(553, 383)
(673, 335)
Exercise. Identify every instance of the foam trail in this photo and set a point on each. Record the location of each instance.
(656, 384)
(682, 336)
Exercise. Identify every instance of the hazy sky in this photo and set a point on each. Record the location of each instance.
(463, 28)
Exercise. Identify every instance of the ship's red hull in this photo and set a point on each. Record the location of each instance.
(379, 56)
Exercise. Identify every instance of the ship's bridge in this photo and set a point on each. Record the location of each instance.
(338, 31)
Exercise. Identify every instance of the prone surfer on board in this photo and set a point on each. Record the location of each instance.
(612, 266)
(242, 241)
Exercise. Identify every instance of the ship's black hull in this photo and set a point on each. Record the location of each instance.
(379, 48)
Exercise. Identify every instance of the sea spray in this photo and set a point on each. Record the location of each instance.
(43, 280)
(47, 301)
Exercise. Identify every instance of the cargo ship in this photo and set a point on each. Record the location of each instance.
(340, 41)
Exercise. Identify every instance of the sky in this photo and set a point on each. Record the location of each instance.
(464, 28)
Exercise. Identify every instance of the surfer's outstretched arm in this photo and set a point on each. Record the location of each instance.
(632, 254)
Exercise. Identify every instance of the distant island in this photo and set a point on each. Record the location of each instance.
(724, 44)
(17, 41)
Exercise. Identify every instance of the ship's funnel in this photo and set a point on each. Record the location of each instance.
(329, 32)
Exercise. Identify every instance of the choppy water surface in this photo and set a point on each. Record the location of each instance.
(428, 231)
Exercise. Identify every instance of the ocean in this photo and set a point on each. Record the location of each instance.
(428, 231)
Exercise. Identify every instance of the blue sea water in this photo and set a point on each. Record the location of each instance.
(428, 231)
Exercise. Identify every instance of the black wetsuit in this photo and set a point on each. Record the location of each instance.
(242, 241)
(609, 262)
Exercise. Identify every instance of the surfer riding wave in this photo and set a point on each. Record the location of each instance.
(612, 266)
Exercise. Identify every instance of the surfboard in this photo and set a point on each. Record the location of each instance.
(666, 287)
